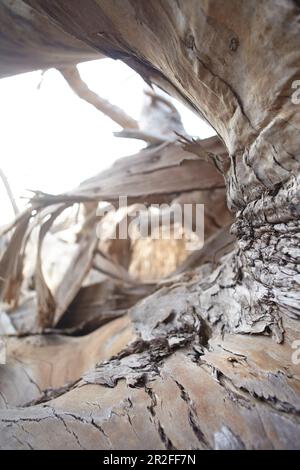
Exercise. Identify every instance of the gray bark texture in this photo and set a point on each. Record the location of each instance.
(205, 361)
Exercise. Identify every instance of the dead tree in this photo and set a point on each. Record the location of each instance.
(211, 363)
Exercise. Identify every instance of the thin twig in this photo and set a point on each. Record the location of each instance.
(143, 135)
(9, 192)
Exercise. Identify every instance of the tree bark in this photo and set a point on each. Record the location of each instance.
(31, 41)
(204, 371)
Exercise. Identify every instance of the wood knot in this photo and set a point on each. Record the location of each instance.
(189, 41)
(234, 44)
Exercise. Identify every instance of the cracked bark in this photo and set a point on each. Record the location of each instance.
(204, 371)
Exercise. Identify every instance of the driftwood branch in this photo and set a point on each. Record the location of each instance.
(74, 80)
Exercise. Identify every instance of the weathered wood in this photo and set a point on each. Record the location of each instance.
(211, 55)
(30, 41)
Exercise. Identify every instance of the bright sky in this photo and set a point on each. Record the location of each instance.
(51, 140)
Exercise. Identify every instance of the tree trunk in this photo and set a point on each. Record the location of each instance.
(212, 364)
